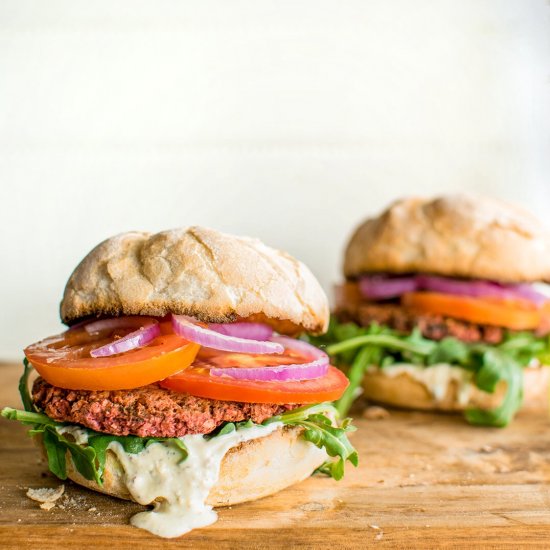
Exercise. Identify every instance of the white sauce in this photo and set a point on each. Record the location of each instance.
(435, 378)
(80, 434)
(181, 487)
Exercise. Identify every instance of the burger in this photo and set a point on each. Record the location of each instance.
(444, 308)
(181, 382)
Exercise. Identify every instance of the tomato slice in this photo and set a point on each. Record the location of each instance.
(208, 357)
(197, 381)
(512, 314)
(64, 360)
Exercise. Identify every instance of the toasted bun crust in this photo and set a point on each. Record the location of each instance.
(199, 272)
(454, 235)
(406, 392)
(252, 470)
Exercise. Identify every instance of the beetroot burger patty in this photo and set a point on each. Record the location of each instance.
(149, 411)
(434, 327)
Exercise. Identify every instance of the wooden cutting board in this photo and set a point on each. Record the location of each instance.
(424, 481)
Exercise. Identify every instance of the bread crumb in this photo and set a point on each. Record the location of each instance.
(312, 507)
(375, 413)
(92, 509)
(380, 534)
(46, 494)
(486, 449)
(47, 505)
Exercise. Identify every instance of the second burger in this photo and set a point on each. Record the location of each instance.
(440, 310)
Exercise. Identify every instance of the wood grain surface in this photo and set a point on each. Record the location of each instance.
(425, 481)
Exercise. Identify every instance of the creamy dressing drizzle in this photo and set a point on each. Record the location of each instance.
(80, 435)
(181, 486)
(435, 378)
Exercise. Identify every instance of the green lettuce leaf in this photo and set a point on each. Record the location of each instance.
(355, 348)
(24, 387)
(495, 366)
(89, 459)
(317, 421)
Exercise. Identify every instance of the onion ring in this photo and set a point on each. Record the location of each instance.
(316, 368)
(187, 328)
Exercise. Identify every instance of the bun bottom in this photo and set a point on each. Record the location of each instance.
(408, 393)
(251, 470)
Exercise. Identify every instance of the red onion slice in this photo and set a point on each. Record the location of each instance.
(526, 291)
(381, 287)
(250, 331)
(78, 325)
(480, 288)
(316, 368)
(187, 328)
(136, 339)
(112, 323)
(447, 285)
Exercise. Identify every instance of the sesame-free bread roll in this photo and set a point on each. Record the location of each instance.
(453, 235)
(199, 272)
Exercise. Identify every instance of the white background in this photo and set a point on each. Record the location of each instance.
(289, 121)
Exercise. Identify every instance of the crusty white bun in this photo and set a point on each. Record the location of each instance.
(251, 470)
(200, 272)
(454, 235)
(406, 392)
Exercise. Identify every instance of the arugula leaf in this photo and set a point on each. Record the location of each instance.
(355, 348)
(495, 367)
(366, 356)
(407, 344)
(100, 443)
(55, 453)
(489, 373)
(449, 350)
(320, 431)
(227, 429)
(26, 417)
(56, 445)
(230, 427)
(370, 346)
(88, 459)
(24, 387)
(132, 444)
(84, 458)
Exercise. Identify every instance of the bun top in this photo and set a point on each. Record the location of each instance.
(199, 272)
(454, 235)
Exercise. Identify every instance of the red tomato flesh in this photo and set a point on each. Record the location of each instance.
(197, 381)
(64, 360)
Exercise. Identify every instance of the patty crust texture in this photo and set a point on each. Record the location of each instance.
(150, 411)
(434, 327)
